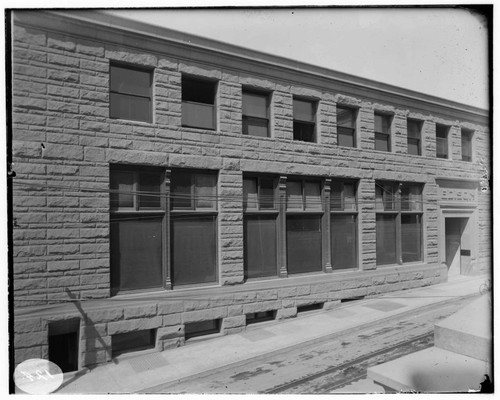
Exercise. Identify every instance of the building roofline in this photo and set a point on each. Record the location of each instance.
(108, 21)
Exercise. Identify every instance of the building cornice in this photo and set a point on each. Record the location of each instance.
(103, 27)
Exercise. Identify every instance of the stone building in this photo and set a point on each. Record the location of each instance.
(169, 187)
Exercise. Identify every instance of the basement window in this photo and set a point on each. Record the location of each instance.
(309, 308)
(261, 316)
(133, 341)
(202, 328)
(63, 344)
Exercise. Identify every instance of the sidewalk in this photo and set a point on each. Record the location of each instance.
(135, 373)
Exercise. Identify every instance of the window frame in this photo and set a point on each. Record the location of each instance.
(343, 211)
(443, 129)
(191, 212)
(352, 131)
(387, 135)
(262, 212)
(305, 212)
(185, 121)
(118, 214)
(418, 140)
(302, 123)
(397, 211)
(138, 68)
(245, 119)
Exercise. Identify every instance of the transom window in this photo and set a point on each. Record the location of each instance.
(304, 120)
(383, 132)
(346, 126)
(414, 137)
(467, 145)
(442, 141)
(255, 113)
(398, 222)
(198, 103)
(130, 93)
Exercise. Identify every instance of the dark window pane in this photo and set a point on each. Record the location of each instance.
(205, 191)
(349, 196)
(345, 137)
(303, 244)
(130, 81)
(250, 194)
(201, 328)
(414, 146)
(255, 105)
(136, 252)
(294, 199)
(336, 201)
(198, 115)
(181, 191)
(260, 246)
(266, 193)
(304, 111)
(303, 131)
(346, 118)
(193, 249)
(313, 195)
(343, 232)
(130, 107)
(411, 237)
(411, 197)
(441, 141)
(255, 126)
(386, 239)
(466, 146)
(198, 91)
(414, 129)
(122, 187)
(382, 123)
(149, 188)
(382, 142)
(132, 341)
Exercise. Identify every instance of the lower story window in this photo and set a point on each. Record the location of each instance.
(411, 237)
(193, 249)
(303, 243)
(343, 235)
(136, 252)
(386, 239)
(260, 246)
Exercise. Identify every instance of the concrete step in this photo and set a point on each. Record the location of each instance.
(467, 332)
(461, 356)
(432, 370)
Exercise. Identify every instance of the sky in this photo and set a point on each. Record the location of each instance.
(442, 52)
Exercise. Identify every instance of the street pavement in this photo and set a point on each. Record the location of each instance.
(139, 372)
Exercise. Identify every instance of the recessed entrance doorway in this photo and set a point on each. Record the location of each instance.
(458, 246)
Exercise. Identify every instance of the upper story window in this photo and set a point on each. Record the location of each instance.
(382, 132)
(304, 120)
(346, 126)
(198, 103)
(255, 113)
(414, 137)
(467, 145)
(442, 141)
(130, 93)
